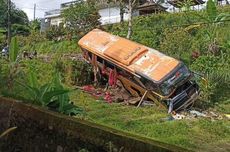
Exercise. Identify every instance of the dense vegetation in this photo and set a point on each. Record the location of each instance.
(200, 39)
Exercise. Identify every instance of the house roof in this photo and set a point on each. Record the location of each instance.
(131, 56)
(53, 13)
(179, 3)
(151, 6)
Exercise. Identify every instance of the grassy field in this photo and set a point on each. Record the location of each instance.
(201, 134)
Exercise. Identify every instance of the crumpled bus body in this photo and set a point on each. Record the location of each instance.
(168, 81)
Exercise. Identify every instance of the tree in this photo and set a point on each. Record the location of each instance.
(18, 19)
(35, 25)
(18, 29)
(81, 17)
(131, 5)
(3, 13)
(17, 16)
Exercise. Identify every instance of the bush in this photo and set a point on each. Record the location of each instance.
(55, 33)
(177, 43)
(2, 41)
(215, 71)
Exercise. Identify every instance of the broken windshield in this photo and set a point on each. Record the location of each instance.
(177, 78)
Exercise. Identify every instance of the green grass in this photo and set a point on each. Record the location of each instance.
(197, 134)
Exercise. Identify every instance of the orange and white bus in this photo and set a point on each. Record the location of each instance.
(143, 71)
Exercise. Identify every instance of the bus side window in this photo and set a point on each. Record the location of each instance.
(109, 65)
(100, 60)
(90, 55)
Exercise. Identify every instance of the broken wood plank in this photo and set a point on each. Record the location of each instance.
(142, 98)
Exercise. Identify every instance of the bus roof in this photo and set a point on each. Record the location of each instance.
(131, 56)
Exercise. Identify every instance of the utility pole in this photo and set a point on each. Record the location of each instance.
(9, 23)
(34, 11)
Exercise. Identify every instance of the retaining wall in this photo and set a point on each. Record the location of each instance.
(40, 130)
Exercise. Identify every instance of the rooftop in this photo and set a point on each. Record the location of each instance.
(181, 3)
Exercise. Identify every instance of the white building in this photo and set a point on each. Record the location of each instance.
(53, 17)
(109, 14)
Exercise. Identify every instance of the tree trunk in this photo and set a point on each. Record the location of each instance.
(122, 13)
(130, 12)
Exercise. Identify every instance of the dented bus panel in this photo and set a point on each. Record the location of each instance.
(168, 81)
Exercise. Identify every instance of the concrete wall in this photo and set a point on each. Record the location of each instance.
(41, 130)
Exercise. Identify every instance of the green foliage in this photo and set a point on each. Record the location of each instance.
(81, 17)
(49, 94)
(14, 49)
(177, 43)
(3, 13)
(30, 41)
(18, 29)
(17, 16)
(215, 70)
(81, 69)
(63, 100)
(55, 33)
(214, 66)
(211, 10)
(2, 39)
(35, 25)
(43, 46)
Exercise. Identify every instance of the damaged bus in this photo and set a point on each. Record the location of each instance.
(143, 71)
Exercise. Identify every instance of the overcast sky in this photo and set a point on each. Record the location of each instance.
(42, 6)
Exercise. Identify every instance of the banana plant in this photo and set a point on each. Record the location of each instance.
(63, 100)
(13, 62)
(41, 95)
(52, 95)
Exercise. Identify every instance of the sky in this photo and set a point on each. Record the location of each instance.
(41, 6)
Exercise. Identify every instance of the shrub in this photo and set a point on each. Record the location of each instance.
(177, 43)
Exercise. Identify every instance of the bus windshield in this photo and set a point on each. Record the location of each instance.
(176, 78)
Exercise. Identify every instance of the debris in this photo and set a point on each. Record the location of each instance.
(134, 100)
(147, 103)
(213, 114)
(142, 98)
(113, 77)
(108, 97)
(170, 107)
(178, 116)
(88, 88)
(170, 118)
(197, 113)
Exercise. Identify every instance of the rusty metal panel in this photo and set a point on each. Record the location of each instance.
(124, 51)
(155, 66)
(129, 55)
